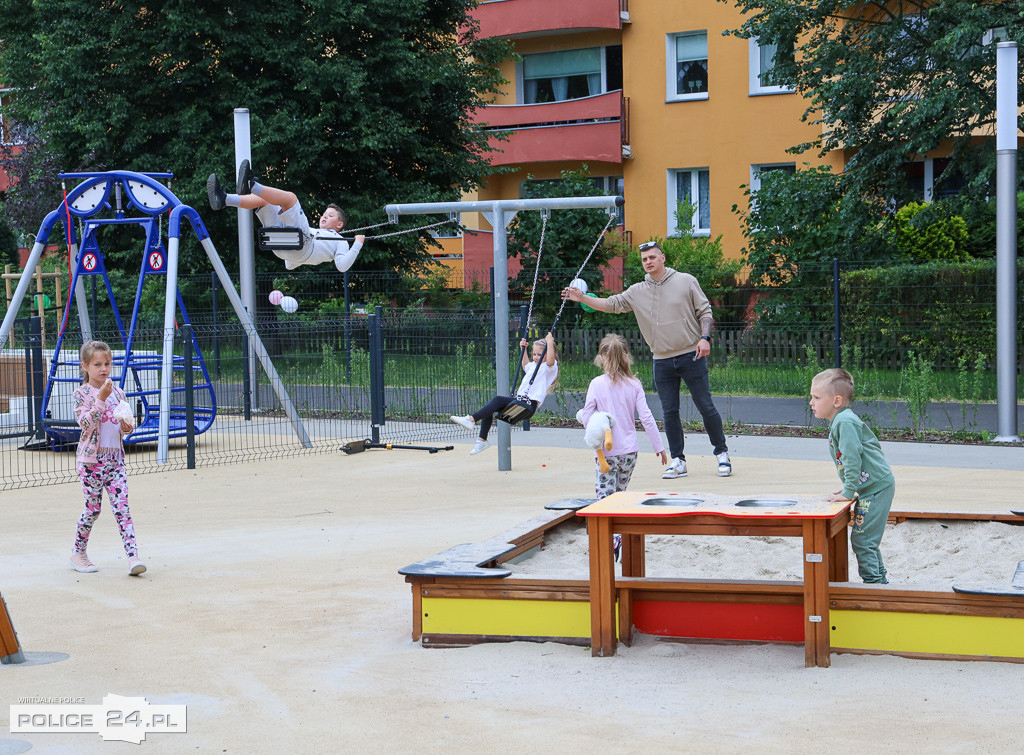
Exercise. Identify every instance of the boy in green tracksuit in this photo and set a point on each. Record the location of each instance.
(867, 479)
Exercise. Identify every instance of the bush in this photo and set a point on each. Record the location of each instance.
(926, 232)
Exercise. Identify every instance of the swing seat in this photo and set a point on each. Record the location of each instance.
(520, 409)
(280, 239)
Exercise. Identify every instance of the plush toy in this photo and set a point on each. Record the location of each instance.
(123, 413)
(598, 435)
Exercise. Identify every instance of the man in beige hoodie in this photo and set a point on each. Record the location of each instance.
(675, 319)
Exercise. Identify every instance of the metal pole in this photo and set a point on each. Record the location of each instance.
(837, 338)
(1006, 242)
(190, 401)
(246, 254)
(376, 374)
(348, 334)
(216, 328)
(499, 292)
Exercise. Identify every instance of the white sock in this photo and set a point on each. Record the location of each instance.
(257, 188)
(233, 200)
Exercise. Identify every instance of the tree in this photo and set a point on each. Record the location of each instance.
(363, 102)
(890, 81)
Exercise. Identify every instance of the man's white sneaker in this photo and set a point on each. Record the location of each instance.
(479, 446)
(676, 469)
(724, 465)
(466, 421)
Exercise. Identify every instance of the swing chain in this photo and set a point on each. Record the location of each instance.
(611, 217)
(446, 221)
(544, 215)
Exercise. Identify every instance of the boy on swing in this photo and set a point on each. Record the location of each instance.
(278, 208)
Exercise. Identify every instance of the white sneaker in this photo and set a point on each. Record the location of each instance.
(136, 566)
(724, 465)
(82, 563)
(479, 446)
(466, 421)
(676, 469)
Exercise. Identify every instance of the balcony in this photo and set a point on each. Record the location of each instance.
(525, 18)
(594, 129)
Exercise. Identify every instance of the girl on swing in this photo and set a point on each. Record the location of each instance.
(535, 386)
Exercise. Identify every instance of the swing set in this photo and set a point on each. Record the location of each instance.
(499, 213)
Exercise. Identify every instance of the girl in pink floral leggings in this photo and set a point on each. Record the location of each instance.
(101, 454)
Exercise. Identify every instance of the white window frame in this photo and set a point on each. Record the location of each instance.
(695, 227)
(754, 58)
(755, 174)
(671, 95)
(521, 79)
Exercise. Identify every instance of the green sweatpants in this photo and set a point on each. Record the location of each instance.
(869, 518)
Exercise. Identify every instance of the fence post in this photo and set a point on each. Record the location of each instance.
(376, 374)
(190, 405)
(216, 329)
(348, 333)
(837, 355)
(35, 342)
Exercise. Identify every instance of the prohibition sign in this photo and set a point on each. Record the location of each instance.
(156, 260)
(89, 261)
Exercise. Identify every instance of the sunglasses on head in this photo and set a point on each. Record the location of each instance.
(648, 245)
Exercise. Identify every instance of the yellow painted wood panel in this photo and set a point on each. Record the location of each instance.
(928, 633)
(519, 618)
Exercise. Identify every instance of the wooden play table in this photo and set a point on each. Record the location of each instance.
(821, 524)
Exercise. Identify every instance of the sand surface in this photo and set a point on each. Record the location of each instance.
(273, 610)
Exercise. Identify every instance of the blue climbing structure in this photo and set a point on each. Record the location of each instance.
(135, 200)
(161, 415)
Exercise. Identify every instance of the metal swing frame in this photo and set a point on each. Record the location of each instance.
(499, 213)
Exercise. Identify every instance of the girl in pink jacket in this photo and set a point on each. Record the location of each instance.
(101, 454)
(622, 396)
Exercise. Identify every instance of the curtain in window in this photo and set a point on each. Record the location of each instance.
(530, 90)
(704, 192)
(562, 63)
(594, 83)
(560, 86)
(767, 60)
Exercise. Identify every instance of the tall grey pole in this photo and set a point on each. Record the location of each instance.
(246, 255)
(500, 294)
(1006, 242)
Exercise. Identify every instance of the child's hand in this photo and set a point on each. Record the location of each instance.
(523, 343)
(664, 457)
(126, 428)
(105, 390)
(360, 238)
(837, 497)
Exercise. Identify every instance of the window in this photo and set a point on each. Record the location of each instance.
(8, 130)
(571, 74)
(923, 175)
(451, 231)
(762, 61)
(687, 69)
(691, 186)
(757, 170)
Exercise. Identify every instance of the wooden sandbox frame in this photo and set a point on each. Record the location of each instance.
(464, 596)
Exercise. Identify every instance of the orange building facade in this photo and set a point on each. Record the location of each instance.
(649, 95)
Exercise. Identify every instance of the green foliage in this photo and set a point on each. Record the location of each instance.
(925, 232)
(364, 103)
(888, 82)
(8, 242)
(919, 389)
(797, 225)
(884, 309)
(981, 224)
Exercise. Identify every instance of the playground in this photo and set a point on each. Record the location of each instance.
(273, 610)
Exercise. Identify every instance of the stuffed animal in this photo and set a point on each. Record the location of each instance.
(598, 435)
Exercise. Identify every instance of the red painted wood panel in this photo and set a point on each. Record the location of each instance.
(720, 621)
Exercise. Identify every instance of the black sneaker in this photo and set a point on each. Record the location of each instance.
(216, 194)
(245, 178)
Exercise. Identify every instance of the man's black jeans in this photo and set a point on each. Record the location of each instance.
(667, 375)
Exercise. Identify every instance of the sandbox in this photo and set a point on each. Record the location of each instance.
(488, 591)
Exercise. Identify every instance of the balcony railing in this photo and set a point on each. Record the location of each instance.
(589, 128)
(511, 18)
